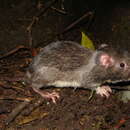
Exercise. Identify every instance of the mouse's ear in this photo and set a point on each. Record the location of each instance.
(106, 60)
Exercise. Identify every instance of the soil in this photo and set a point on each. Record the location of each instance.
(73, 111)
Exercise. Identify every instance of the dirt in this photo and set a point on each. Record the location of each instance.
(72, 111)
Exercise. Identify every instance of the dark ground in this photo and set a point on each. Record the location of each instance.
(72, 111)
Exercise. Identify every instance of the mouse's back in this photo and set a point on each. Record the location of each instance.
(63, 55)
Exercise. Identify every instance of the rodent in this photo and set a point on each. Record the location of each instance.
(68, 64)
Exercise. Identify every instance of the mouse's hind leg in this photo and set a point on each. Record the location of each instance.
(53, 95)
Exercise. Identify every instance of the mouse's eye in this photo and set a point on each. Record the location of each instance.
(122, 65)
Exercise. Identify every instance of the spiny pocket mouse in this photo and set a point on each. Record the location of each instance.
(68, 64)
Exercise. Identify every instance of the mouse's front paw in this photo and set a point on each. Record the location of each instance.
(104, 91)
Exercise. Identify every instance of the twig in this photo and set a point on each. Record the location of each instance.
(35, 19)
(91, 96)
(11, 98)
(34, 106)
(76, 22)
(13, 79)
(13, 51)
(17, 111)
(59, 10)
(120, 88)
(29, 30)
(49, 4)
(121, 122)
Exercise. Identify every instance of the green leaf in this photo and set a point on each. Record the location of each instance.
(86, 42)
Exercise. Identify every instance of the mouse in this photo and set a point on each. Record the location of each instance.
(68, 64)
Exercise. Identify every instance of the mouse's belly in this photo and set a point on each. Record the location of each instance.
(49, 76)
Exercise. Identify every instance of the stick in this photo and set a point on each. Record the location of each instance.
(34, 106)
(13, 51)
(76, 22)
(35, 19)
(59, 10)
(17, 111)
(120, 88)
